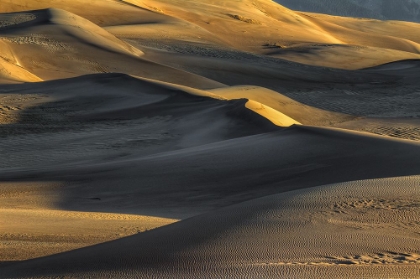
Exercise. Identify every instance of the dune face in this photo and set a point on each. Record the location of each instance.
(406, 10)
(209, 139)
(237, 241)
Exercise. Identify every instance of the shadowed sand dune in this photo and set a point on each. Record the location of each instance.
(206, 139)
(324, 231)
(194, 180)
(96, 118)
(221, 173)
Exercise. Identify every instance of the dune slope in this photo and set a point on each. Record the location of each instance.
(336, 230)
(263, 25)
(58, 44)
(96, 118)
(381, 9)
(259, 25)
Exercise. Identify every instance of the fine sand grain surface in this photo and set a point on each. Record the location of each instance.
(206, 139)
(357, 229)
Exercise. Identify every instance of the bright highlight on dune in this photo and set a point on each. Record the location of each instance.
(209, 139)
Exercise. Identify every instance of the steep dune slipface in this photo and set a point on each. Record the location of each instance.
(10, 72)
(10, 68)
(90, 33)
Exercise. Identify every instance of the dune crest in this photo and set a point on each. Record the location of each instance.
(97, 36)
(274, 116)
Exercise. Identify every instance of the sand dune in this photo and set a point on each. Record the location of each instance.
(10, 69)
(103, 13)
(271, 163)
(288, 107)
(206, 139)
(297, 29)
(10, 72)
(75, 26)
(378, 35)
(69, 46)
(30, 232)
(154, 116)
(327, 230)
(381, 9)
(257, 22)
(244, 168)
(340, 56)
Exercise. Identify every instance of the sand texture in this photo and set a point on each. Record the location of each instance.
(206, 139)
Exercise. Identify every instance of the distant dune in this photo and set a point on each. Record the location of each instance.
(380, 42)
(209, 139)
(406, 10)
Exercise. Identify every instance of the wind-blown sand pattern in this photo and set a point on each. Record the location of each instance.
(206, 139)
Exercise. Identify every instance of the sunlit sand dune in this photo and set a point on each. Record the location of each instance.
(264, 25)
(69, 45)
(10, 72)
(103, 13)
(258, 25)
(340, 56)
(302, 113)
(32, 227)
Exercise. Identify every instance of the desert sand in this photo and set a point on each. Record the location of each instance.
(206, 139)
